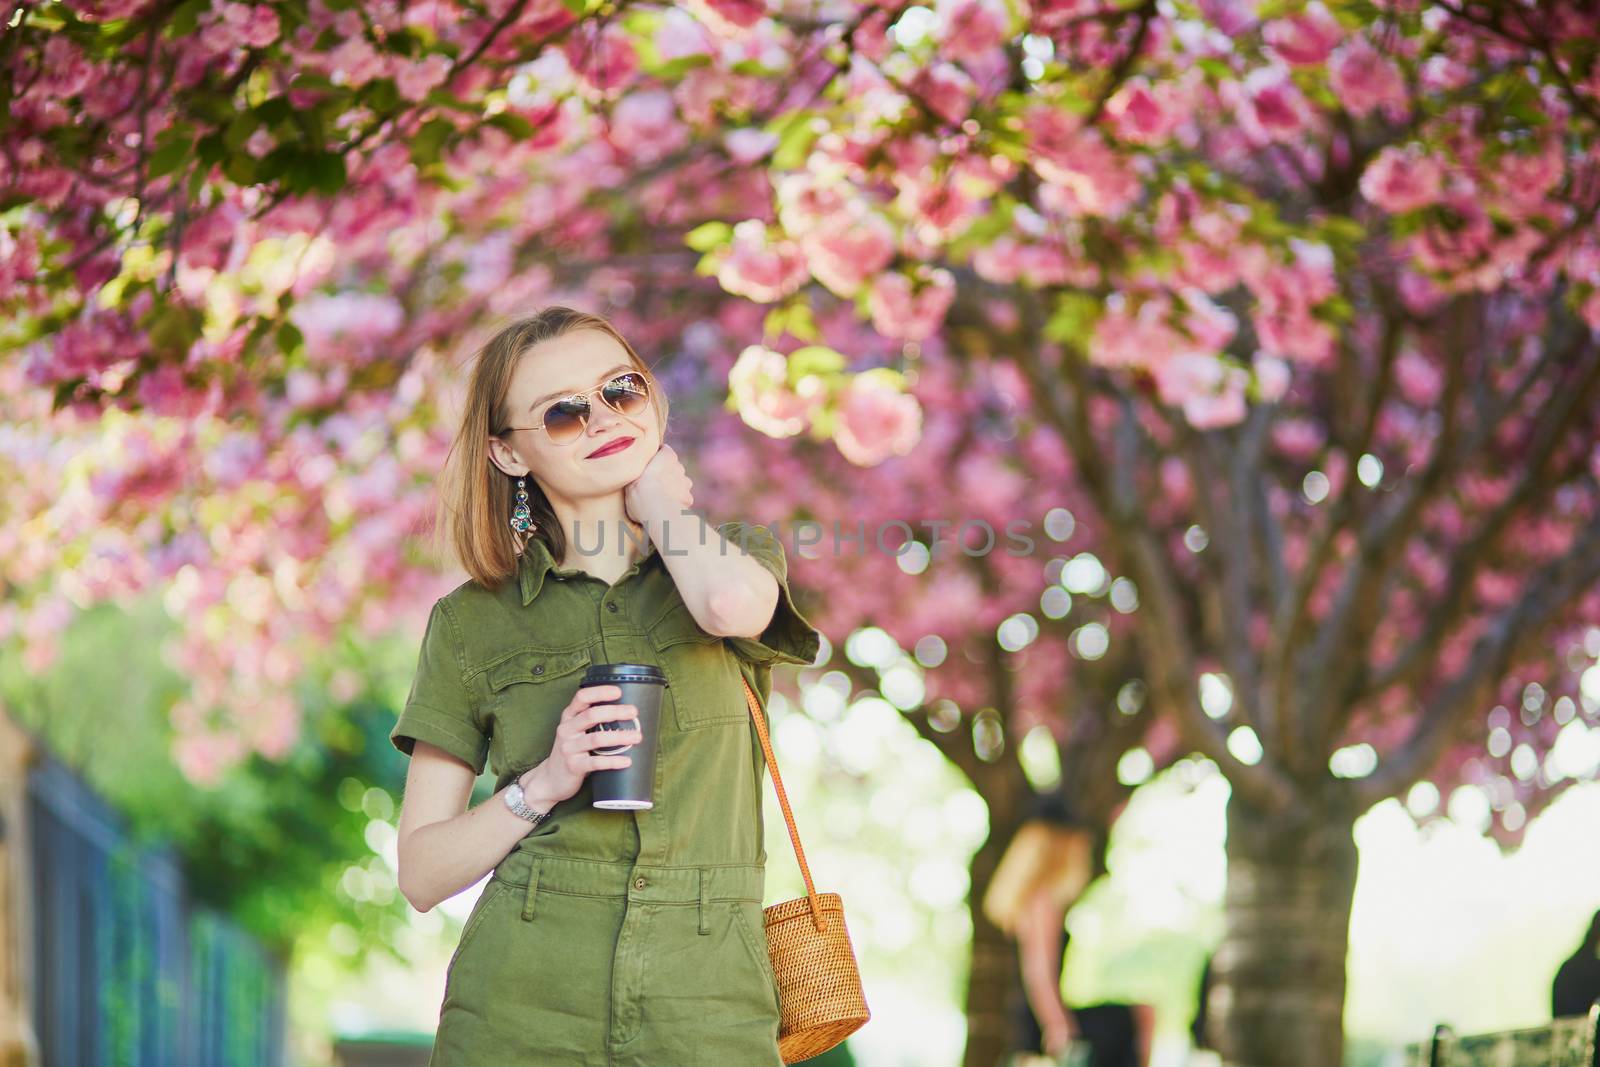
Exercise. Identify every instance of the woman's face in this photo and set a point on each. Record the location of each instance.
(550, 371)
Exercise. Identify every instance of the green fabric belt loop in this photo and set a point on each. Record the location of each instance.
(705, 901)
(533, 890)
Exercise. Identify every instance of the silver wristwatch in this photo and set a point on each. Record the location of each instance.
(514, 798)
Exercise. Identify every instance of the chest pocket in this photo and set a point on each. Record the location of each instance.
(527, 694)
(704, 688)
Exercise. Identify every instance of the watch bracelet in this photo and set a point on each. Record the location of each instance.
(534, 817)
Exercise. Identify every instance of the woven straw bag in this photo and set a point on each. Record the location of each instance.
(820, 999)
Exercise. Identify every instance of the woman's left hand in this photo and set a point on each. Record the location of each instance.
(662, 490)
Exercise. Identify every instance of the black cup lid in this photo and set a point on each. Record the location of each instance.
(601, 673)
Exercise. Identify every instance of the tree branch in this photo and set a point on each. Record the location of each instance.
(1567, 401)
(1557, 584)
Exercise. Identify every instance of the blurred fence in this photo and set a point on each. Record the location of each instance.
(117, 966)
(1564, 1042)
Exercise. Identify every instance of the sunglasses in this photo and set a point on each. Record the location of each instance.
(565, 419)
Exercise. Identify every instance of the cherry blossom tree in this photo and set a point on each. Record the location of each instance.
(1307, 293)
(984, 625)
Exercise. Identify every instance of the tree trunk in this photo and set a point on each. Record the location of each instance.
(993, 969)
(1278, 979)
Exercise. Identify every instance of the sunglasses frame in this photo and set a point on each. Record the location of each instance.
(583, 420)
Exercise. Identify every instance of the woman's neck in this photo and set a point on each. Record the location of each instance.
(600, 537)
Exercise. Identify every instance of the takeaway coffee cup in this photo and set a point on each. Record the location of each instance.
(630, 788)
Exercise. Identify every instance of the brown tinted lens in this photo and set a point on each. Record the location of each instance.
(563, 420)
(628, 393)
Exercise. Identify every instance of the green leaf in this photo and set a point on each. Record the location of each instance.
(512, 123)
(801, 323)
(773, 324)
(752, 68)
(1335, 309)
(1343, 229)
(890, 377)
(441, 98)
(240, 167)
(674, 69)
(172, 328)
(239, 130)
(276, 163)
(64, 391)
(428, 140)
(1073, 319)
(210, 149)
(794, 144)
(290, 338)
(708, 235)
(329, 173)
(275, 110)
(186, 18)
(170, 153)
(382, 95)
(814, 359)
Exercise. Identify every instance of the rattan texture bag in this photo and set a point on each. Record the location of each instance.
(820, 999)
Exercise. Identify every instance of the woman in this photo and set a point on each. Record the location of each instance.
(1043, 871)
(628, 938)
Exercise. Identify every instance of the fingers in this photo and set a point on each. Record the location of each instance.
(604, 713)
(608, 738)
(584, 761)
(588, 696)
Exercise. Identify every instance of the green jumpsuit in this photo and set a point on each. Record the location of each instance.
(610, 938)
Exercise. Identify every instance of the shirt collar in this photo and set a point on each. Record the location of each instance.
(536, 561)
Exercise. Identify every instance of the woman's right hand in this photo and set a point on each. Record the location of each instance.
(1058, 1035)
(571, 759)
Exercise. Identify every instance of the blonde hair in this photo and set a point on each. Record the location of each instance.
(1043, 855)
(475, 496)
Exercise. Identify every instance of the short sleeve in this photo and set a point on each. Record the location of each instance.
(438, 709)
(788, 638)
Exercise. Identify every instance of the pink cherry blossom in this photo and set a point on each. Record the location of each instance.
(1272, 377)
(898, 312)
(729, 17)
(415, 80)
(1086, 176)
(968, 28)
(1306, 37)
(1402, 179)
(846, 253)
(1146, 114)
(757, 384)
(1366, 80)
(644, 126)
(876, 421)
(1273, 108)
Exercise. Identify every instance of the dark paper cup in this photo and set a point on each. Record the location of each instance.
(630, 788)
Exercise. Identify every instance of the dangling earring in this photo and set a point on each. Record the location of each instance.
(521, 517)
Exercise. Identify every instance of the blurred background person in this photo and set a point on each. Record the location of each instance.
(1577, 983)
(1044, 870)
(1202, 1053)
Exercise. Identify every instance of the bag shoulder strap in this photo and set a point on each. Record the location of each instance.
(783, 799)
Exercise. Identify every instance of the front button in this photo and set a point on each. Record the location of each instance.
(539, 669)
(638, 883)
(611, 606)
